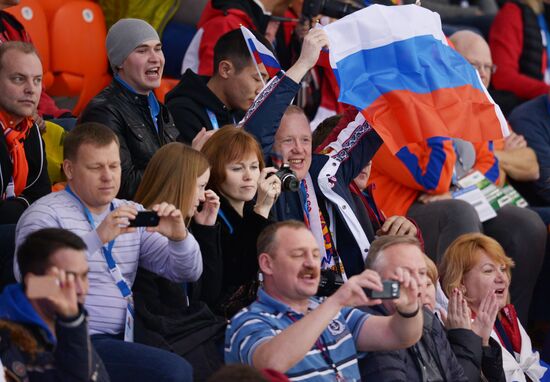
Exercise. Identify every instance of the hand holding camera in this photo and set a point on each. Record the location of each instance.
(269, 188)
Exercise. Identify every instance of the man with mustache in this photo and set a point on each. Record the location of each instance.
(23, 168)
(288, 330)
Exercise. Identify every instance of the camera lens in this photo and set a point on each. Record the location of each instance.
(289, 182)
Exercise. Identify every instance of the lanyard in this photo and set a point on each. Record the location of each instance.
(323, 350)
(226, 221)
(214, 120)
(106, 249)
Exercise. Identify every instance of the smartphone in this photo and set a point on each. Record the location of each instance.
(145, 219)
(42, 286)
(390, 291)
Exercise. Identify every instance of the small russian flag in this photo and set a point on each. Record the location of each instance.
(261, 54)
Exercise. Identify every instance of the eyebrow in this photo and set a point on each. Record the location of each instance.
(148, 46)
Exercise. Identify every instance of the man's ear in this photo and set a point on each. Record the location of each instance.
(68, 169)
(266, 263)
(225, 69)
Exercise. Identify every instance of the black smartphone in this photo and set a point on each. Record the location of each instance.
(390, 291)
(145, 219)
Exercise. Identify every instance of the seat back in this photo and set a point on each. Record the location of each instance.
(78, 35)
(32, 16)
(51, 6)
(78, 53)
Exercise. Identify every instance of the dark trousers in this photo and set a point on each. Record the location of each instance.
(127, 361)
(520, 231)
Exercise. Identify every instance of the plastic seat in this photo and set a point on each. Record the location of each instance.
(78, 53)
(51, 6)
(32, 16)
(166, 85)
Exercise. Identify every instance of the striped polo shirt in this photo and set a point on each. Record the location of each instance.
(267, 317)
(176, 260)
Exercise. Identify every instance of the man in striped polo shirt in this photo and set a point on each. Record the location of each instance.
(308, 339)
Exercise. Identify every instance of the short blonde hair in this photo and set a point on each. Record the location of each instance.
(462, 256)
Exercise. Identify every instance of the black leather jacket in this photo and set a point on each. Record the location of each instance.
(128, 115)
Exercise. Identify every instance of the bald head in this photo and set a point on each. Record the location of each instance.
(476, 51)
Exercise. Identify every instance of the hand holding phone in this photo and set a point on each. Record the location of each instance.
(42, 287)
(145, 219)
(390, 291)
(56, 290)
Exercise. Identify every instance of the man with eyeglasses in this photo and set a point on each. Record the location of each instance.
(417, 181)
(518, 161)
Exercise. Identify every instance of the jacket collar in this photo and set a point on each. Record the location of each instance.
(7, 121)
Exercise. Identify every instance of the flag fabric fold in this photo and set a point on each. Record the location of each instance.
(394, 64)
(260, 53)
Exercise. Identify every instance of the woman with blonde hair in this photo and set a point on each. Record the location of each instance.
(179, 174)
(476, 267)
(247, 193)
(170, 315)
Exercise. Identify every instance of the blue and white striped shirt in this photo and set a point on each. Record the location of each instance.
(267, 317)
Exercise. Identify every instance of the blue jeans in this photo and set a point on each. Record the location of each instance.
(127, 361)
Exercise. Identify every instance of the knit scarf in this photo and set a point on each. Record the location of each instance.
(315, 221)
(14, 139)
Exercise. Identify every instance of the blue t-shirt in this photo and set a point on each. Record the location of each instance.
(267, 317)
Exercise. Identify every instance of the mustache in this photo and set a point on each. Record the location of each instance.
(305, 271)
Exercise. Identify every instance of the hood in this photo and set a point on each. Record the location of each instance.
(216, 8)
(16, 307)
(193, 87)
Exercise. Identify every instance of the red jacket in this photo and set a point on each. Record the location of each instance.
(506, 40)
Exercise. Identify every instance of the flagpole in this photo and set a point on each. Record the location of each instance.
(252, 56)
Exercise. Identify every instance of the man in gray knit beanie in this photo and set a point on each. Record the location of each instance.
(135, 54)
(128, 105)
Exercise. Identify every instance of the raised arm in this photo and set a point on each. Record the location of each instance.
(264, 116)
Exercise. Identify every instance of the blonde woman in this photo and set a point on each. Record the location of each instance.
(179, 174)
(476, 267)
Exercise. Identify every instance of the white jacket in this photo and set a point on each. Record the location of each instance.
(518, 364)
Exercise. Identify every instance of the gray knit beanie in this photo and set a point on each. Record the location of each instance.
(124, 36)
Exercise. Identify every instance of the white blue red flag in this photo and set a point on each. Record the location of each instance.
(260, 53)
(394, 64)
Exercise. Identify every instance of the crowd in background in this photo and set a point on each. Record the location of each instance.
(252, 227)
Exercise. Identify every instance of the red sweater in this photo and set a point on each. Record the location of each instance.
(506, 42)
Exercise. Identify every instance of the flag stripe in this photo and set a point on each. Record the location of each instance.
(464, 111)
(374, 32)
(420, 64)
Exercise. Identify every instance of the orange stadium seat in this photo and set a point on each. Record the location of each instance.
(51, 6)
(32, 16)
(78, 54)
(166, 85)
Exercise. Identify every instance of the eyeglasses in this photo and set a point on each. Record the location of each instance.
(485, 67)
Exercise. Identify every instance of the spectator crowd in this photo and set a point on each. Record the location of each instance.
(253, 228)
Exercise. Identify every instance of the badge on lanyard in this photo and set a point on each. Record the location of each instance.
(129, 325)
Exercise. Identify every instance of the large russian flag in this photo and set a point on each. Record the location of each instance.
(394, 64)
(260, 53)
